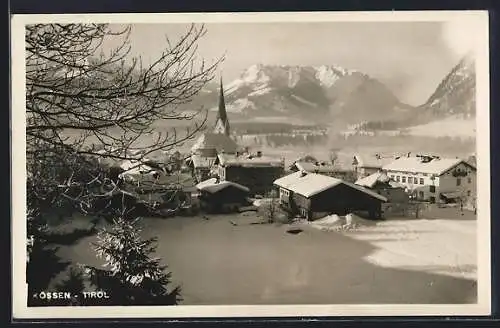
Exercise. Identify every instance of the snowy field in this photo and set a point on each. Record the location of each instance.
(451, 127)
(396, 261)
(434, 246)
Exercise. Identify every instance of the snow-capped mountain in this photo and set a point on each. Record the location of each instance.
(456, 94)
(320, 93)
(449, 111)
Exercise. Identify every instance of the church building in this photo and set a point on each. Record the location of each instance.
(210, 144)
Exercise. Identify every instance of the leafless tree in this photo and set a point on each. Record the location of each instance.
(333, 156)
(84, 105)
(272, 206)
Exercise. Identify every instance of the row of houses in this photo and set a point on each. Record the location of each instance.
(311, 192)
(229, 174)
(425, 177)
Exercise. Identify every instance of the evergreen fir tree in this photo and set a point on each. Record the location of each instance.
(42, 262)
(130, 275)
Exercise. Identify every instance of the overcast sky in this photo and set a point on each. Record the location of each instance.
(411, 58)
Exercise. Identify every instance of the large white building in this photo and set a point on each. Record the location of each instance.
(434, 179)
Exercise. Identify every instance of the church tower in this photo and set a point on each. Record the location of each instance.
(222, 123)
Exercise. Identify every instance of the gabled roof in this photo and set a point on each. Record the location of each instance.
(371, 161)
(306, 158)
(436, 166)
(315, 168)
(287, 180)
(218, 141)
(212, 186)
(371, 180)
(310, 184)
(137, 167)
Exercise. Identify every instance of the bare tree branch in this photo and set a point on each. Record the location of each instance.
(83, 105)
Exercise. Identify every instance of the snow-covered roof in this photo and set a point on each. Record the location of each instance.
(310, 184)
(316, 168)
(372, 161)
(365, 190)
(212, 186)
(218, 141)
(415, 164)
(136, 167)
(249, 160)
(371, 180)
(287, 180)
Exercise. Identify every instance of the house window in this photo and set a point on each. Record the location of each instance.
(468, 193)
(421, 194)
(432, 199)
(421, 181)
(398, 178)
(432, 189)
(469, 180)
(415, 180)
(459, 181)
(403, 179)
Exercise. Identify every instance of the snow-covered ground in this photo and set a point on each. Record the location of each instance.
(446, 247)
(408, 261)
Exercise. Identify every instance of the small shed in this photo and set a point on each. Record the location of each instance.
(222, 196)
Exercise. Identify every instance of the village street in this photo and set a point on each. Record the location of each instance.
(396, 261)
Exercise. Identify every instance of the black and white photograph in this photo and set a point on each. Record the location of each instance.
(259, 164)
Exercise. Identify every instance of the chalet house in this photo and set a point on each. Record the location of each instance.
(221, 196)
(314, 195)
(255, 171)
(435, 179)
(385, 186)
(364, 165)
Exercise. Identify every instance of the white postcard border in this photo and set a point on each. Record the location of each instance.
(18, 151)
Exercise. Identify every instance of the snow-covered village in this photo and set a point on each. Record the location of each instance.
(159, 175)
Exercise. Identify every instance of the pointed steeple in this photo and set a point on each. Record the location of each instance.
(222, 123)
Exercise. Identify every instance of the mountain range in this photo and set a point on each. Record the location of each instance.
(337, 95)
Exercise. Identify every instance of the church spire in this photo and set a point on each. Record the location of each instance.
(222, 123)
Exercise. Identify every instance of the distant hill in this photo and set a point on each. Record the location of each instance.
(456, 94)
(453, 102)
